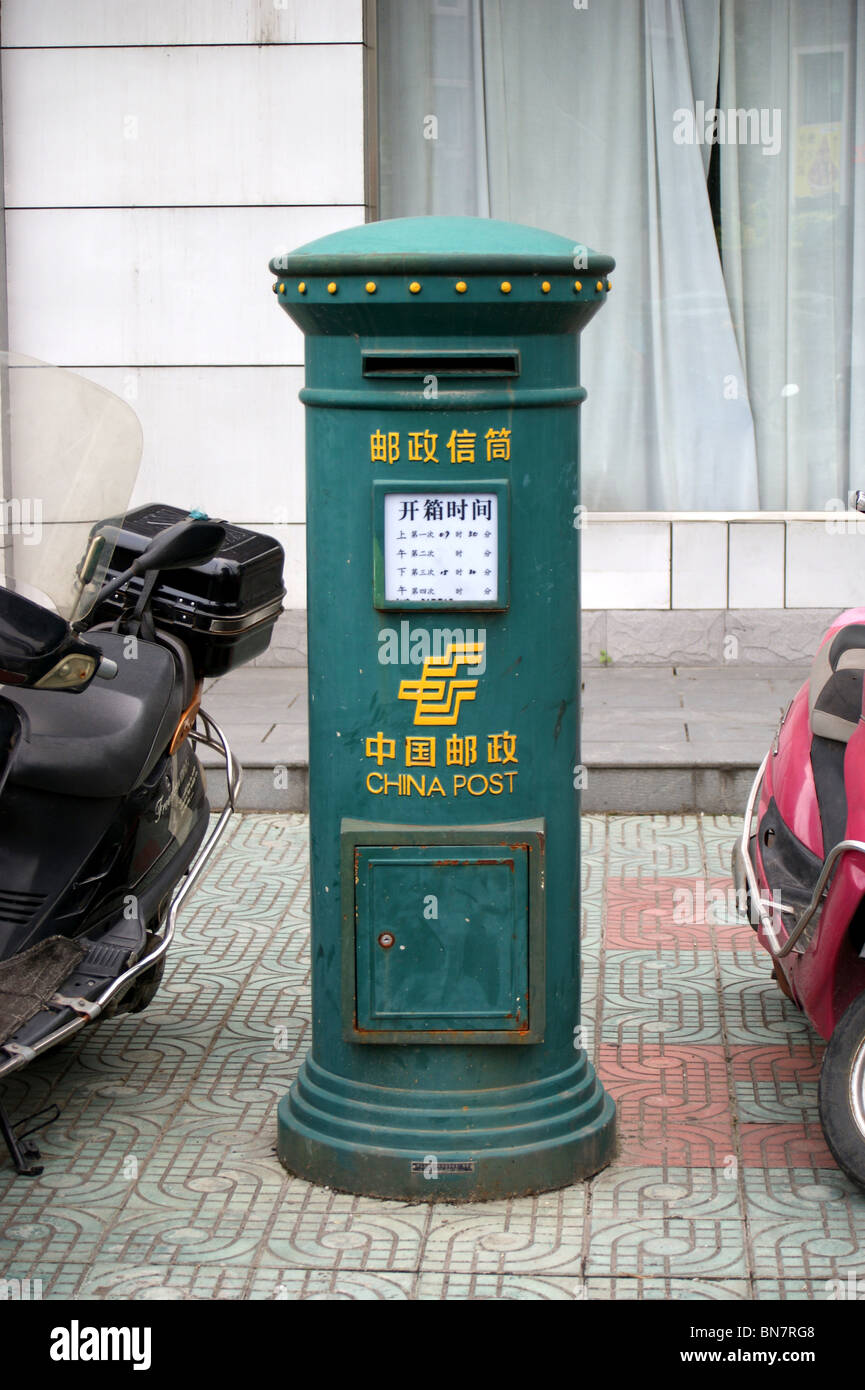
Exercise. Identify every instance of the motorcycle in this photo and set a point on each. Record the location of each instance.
(799, 873)
(110, 622)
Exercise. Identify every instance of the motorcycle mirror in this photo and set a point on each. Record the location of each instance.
(193, 541)
(38, 648)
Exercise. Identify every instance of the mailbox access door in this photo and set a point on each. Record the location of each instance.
(447, 936)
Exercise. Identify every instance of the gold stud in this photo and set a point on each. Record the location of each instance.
(599, 285)
(370, 286)
(414, 287)
(578, 285)
(331, 289)
(275, 287)
(460, 286)
(282, 288)
(609, 284)
(505, 287)
(301, 288)
(545, 287)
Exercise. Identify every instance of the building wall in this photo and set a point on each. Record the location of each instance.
(157, 154)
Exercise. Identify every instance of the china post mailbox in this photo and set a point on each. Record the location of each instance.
(442, 408)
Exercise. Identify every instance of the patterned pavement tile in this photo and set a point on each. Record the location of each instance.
(161, 1179)
(654, 1288)
(791, 1061)
(707, 1248)
(673, 1105)
(646, 846)
(593, 838)
(644, 1194)
(487, 1287)
(671, 913)
(329, 1285)
(757, 1012)
(793, 1145)
(792, 1290)
(771, 1101)
(533, 1235)
(647, 995)
(719, 834)
(316, 1228)
(804, 1225)
(176, 1281)
(798, 1193)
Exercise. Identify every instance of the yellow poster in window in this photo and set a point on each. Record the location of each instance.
(818, 160)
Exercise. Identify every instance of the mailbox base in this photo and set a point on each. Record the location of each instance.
(439, 1146)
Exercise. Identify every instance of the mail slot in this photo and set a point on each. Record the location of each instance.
(448, 1059)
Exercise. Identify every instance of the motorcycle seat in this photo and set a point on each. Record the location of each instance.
(836, 685)
(105, 740)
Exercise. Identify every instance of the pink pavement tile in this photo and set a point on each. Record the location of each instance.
(674, 1106)
(673, 1103)
(642, 913)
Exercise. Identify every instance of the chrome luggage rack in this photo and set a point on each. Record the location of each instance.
(745, 881)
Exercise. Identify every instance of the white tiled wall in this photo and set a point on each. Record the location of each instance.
(826, 563)
(757, 565)
(712, 561)
(176, 127)
(623, 563)
(157, 155)
(699, 564)
(93, 23)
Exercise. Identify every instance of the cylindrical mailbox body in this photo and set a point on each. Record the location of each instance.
(442, 369)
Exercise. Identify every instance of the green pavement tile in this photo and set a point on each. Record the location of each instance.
(161, 1180)
(755, 1010)
(768, 1102)
(719, 834)
(800, 1193)
(804, 1226)
(794, 1290)
(593, 835)
(672, 1247)
(648, 995)
(317, 1228)
(492, 1287)
(288, 1285)
(655, 1194)
(654, 846)
(142, 1282)
(532, 1235)
(650, 1287)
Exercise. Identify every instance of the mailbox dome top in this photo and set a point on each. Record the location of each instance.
(405, 244)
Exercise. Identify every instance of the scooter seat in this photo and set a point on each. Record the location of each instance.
(835, 689)
(105, 740)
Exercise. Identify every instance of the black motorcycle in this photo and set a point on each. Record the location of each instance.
(110, 621)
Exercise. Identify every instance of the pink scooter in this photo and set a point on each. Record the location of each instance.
(799, 872)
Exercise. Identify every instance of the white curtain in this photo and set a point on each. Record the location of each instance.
(564, 118)
(793, 239)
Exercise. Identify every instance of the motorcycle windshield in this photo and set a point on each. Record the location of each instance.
(69, 452)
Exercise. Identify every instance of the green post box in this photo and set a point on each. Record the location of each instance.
(442, 409)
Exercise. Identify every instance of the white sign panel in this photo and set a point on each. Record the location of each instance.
(441, 547)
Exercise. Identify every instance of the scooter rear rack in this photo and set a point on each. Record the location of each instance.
(13, 1055)
(745, 879)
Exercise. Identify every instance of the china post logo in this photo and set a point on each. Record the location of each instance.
(440, 692)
